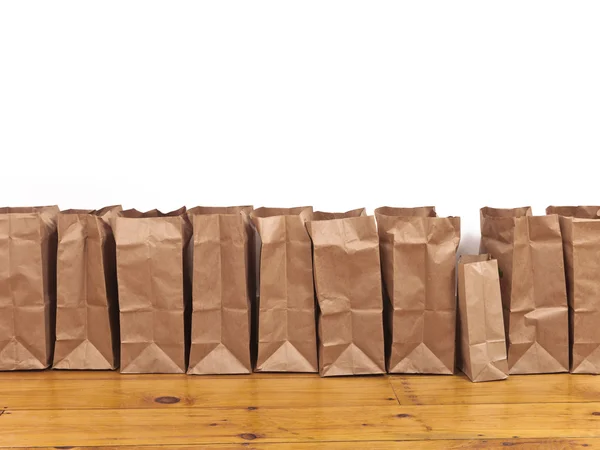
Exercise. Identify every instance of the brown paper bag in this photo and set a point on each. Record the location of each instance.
(418, 259)
(322, 215)
(580, 229)
(27, 287)
(87, 315)
(153, 290)
(347, 274)
(221, 290)
(482, 342)
(287, 339)
(532, 281)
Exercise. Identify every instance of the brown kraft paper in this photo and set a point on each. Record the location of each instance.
(221, 290)
(482, 343)
(153, 293)
(418, 259)
(532, 281)
(27, 287)
(87, 320)
(347, 275)
(322, 215)
(580, 230)
(287, 339)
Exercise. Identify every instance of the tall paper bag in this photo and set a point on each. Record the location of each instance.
(530, 258)
(580, 228)
(27, 287)
(154, 300)
(87, 315)
(347, 276)
(482, 342)
(222, 290)
(287, 340)
(418, 259)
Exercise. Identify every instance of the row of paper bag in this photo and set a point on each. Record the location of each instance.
(229, 290)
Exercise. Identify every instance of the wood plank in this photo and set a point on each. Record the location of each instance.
(178, 392)
(488, 444)
(112, 375)
(206, 426)
(450, 390)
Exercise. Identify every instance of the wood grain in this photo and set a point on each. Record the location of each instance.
(268, 411)
(115, 375)
(449, 390)
(196, 392)
(330, 424)
(491, 444)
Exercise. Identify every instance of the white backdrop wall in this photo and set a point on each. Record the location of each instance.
(338, 104)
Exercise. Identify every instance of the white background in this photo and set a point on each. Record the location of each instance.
(338, 104)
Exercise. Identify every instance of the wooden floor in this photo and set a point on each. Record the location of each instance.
(267, 411)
